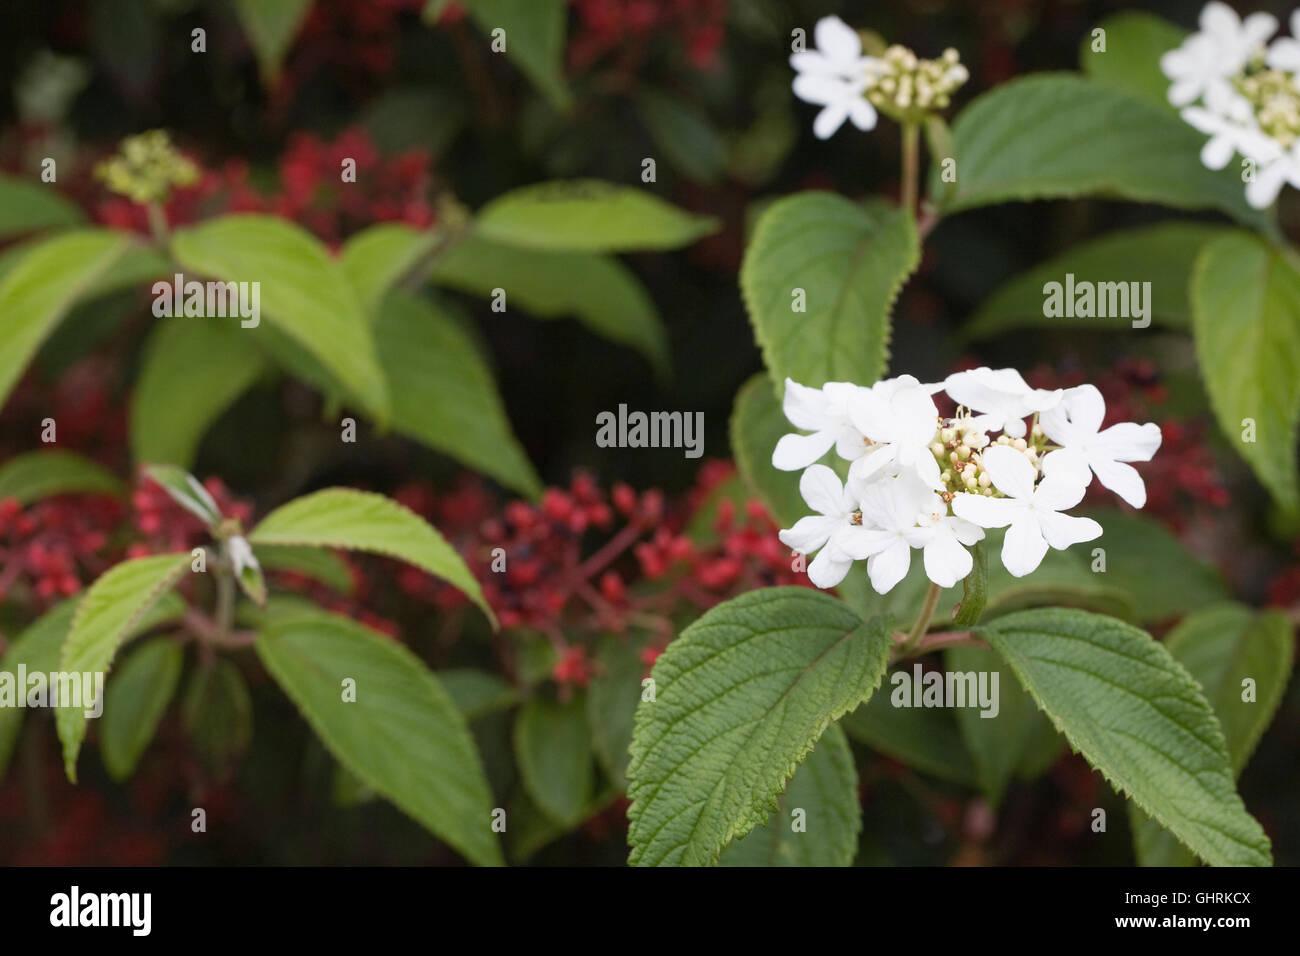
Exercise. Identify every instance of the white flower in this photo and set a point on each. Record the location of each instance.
(946, 561)
(832, 531)
(900, 418)
(1275, 168)
(835, 76)
(1229, 120)
(1032, 516)
(241, 554)
(1284, 52)
(1001, 395)
(1219, 51)
(890, 510)
(1075, 424)
(824, 412)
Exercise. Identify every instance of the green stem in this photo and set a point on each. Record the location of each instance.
(923, 619)
(225, 615)
(158, 225)
(911, 165)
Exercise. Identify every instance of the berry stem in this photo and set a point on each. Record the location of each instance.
(923, 619)
(911, 165)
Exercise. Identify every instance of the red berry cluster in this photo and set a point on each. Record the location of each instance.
(56, 545)
(616, 25)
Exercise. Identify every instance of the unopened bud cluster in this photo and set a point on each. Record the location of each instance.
(1276, 101)
(907, 87)
(146, 168)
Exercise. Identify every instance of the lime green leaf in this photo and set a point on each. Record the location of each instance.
(599, 291)
(319, 564)
(612, 698)
(684, 135)
(40, 474)
(377, 257)
(588, 215)
(37, 292)
(921, 737)
(741, 697)
(37, 650)
(271, 28)
(757, 424)
(112, 606)
(1163, 577)
(444, 395)
(402, 735)
(1137, 716)
(217, 714)
(1245, 300)
(303, 291)
(553, 750)
(1162, 255)
(1062, 136)
(1222, 647)
(134, 702)
(192, 371)
(186, 491)
(819, 279)
(825, 790)
(975, 590)
(1135, 41)
(362, 521)
(27, 206)
(534, 39)
(477, 693)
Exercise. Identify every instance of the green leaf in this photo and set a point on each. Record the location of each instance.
(271, 28)
(921, 737)
(111, 608)
(134, 703)
(1222, 646)
(1135, 41)
(1063, 136)
(319, 564)
(402, 735)
(40, 474)
(444, 395)
(477, 693)
(304, 291)
(1162, 254)
(37, 292)
(1164, 578)
(377, 257)
(975, 591)
(999, 743)
(842, 261)
(1245, 303)
(684, 135)
(217, 713)
(612, 699)
(192, 371)
(599, 291)
(757, 424)
(363, 521)
(588, 215)
(741, 697)
(37, 650)
(184, 489)
(534, 39)
(825, 789)
(1137, 716)
(27, 206)
(553, 750)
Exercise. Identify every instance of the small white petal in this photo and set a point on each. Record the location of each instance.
(809, 534)
(1023, 547)
(946, 561)
(1010, 471)
(793, 452)
(828, 568)
(1128, 441)
(829, 120)
(1122, 479)
(822, 490)
(1060, 531)
(890, 566)
(986, 512)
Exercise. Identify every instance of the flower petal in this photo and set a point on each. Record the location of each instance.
(829, 568)
(1122, 479)
(946, 561)
(822, 490)
(1023, 547)
(986, 512)
(829, 120)
(805, 407)
(837, 40)
(793, 452)
(1010, 471)
(1060, 531)
(1063, 488)
(1129, 441)
(890, 566)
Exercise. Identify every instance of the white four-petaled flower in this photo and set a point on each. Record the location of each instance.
(832, 533)
(835, 76)
(1001, 396)
(824, 412)
(1220, 50)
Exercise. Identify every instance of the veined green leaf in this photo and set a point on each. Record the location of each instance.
(1245, 304)
(741, 698)
(40, 474)
(1137, 716)
(401, 735)
(825, 790)
(184, 489)
(36, 649)
(588, 215)
(27, 206)
(444, 395)
(1062, 136)
(37, 292)
(192, 371)
(217, 713)
(553, 750)
(1134, 42)
(110, 609)
(363, 521)
(134, 702)
(1222, 647)
(303, 290)
(819, 280)
(380, 255)
(320, 564)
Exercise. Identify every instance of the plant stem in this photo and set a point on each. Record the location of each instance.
(923, 619)
(225, 615)
(911, 165)
(158, 225)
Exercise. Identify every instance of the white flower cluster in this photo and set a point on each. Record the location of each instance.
(918, 480)
(848, 85)
(1244, 93)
